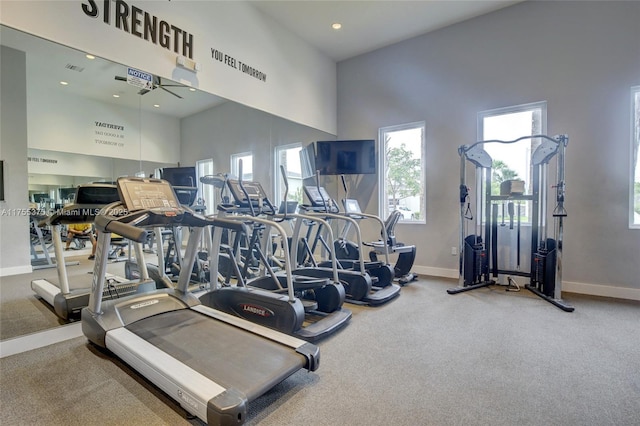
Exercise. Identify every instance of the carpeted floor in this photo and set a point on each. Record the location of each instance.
(486, 357)
(21, 310)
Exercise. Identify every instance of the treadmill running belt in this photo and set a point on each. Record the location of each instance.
(231, 357)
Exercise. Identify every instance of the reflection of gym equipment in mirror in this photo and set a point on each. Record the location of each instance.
(68, 298)
(93, 81)
(479, 251)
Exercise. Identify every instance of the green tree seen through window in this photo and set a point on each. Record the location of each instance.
(403, 175)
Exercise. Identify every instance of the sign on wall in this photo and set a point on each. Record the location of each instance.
(140, 79)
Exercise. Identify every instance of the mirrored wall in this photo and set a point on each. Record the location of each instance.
(87, 123)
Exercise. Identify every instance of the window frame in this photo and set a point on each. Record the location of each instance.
(514, 109)
(206, 192)
(634, 93)
(278, 184)
(234, 162)
(383, 199)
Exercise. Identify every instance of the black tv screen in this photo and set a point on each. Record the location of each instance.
(40, 197)
(67, 193)
(346, 157)
(180, 176)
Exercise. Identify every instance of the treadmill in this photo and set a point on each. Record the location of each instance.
(68, 298)
(212, 363)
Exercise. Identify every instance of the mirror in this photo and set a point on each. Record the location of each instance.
(98, 127)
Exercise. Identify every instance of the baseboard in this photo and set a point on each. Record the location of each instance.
(627, 293)
(435, 272)
(16, 270)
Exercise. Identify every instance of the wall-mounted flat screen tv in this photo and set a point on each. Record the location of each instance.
(346, 157)
(67, 193)
(180, 176)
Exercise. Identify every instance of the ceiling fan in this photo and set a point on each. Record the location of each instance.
(157, 82)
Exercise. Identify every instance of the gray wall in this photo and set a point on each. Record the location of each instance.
(14, 256)
(580, 57)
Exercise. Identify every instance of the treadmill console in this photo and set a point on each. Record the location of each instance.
(147, 194)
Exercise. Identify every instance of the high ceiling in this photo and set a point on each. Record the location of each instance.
(369, 25)
(366, 26)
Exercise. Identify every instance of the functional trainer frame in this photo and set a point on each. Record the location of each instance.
(478, 252)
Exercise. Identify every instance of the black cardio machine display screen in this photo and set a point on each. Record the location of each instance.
(140, 193)
(254, 190)
(316, 196)
(352, 206)
(97, 194)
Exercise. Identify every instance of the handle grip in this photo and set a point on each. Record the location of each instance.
(130, 232)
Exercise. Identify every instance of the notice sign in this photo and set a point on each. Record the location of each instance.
(140, 79)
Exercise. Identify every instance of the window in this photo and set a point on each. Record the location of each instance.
(289, 157)
(247, 165)
(512, 161)
(634, 214)
(206, 192)
(402, 165)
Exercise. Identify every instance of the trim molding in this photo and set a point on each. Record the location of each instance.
(627, 293)
(617, 292)
(16, 270)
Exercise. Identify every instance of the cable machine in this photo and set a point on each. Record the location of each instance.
(479, 251)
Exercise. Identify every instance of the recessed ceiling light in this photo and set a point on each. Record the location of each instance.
(156, 105)
(116, 96)
(192, 89)
(64, 83)
(336, 25)
(90, 56)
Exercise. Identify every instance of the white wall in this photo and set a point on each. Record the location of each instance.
(66, 123)
(300, 84)
(231, 128)
(580, 57)
(14, 223)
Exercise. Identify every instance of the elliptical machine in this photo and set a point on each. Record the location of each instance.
(479, 252)
(304, 306)
(366, 282)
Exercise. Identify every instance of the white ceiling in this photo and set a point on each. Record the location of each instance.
(370, 25)
(50, 63)
(367, 25)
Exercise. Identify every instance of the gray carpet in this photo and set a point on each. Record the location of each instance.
(21, 310)
(486, 357)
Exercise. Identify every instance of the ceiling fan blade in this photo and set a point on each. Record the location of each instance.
(120, 78)
(143, 91)
(167, 90)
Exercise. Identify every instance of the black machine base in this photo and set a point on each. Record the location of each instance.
(456, 290)
(557, 302)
